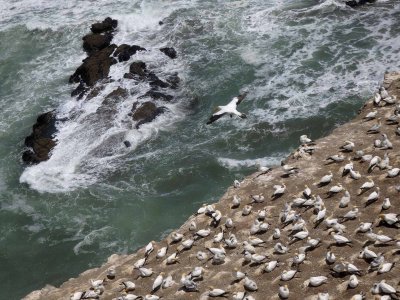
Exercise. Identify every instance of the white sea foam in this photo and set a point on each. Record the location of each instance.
(231, 163)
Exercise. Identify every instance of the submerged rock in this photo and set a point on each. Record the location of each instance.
(146, 112)
(169, 51)
(158, 96)
(355, 3)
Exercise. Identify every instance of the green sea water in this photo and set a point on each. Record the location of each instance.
(308, 67)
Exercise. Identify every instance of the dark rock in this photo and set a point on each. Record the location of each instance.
(158, 95)
(138, 68)
(169, 51)
(107, 25)
(96, 42)
(41, 139)
(79, 91)
(160, 23)
(355, 3)
(124, 51)
(145, 113)
(94, 67)
(127, 144)
(174, 80)
(117, 94)
(156, 82)
(129, 76)
(94, 92)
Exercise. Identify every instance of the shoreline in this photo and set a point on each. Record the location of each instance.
(311, 169)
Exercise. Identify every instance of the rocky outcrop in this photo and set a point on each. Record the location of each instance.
(40, 141)
(106, 26)
(93, 75)
(263, 233)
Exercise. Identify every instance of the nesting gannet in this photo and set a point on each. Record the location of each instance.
(377, 99)
(111, 272)
(279, 191)
(386, 288)
(188, 284)
(238, 295)
(355, 174)
(336, 158)
(128, 286)
(257, 198)
(289, 170)
(145, 272)
(330, 258)
(151, 297)
(238, 275)
(262, 213)
(360, 296)
(246, 210)
(393, 172)
(298, 258)
(323, 296)
(277, 234)
(353, 281)
(364, 227)
(386, 204)
(304, 139)
(77, 296)
(176, 237)
(270, 266)
(366, 186)
(347, 168)
(229, 223)
(374, 196)
(345, 200)
(157, 282)
(348, 146)
(340, 239)
(236, 201)
(229, 109)
(172, 259)
(386, 143)
(140, 263)
(168, 282)
(371, 115)
(217, 292)
(307, 192)
(203, 233)
(162, 252)
(250, 285)
(317, 280)
(383, 92)
(192, 226)
(325, 180)
(367, 254)
(385, 267)
(390, 219)
(283, 292)
(334, 190)
(202, 256)
(376, 128)
(350, 215)
(280, 248)
(288, 275)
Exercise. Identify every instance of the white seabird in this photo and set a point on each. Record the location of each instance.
(229, 109)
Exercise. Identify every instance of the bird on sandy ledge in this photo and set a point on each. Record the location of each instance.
(229, 109)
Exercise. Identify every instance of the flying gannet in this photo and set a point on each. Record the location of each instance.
(229, 109)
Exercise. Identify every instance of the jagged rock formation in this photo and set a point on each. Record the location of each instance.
(92, 75)
(277, 227)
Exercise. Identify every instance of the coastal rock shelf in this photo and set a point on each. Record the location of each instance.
(92, 76)
(252, 228)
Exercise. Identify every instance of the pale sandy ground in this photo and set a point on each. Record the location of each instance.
(312, 168)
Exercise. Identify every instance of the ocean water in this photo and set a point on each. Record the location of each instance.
(308, 66)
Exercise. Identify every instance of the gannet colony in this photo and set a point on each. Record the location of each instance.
(324, 225)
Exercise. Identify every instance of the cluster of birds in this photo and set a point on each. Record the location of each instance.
(319, 220)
